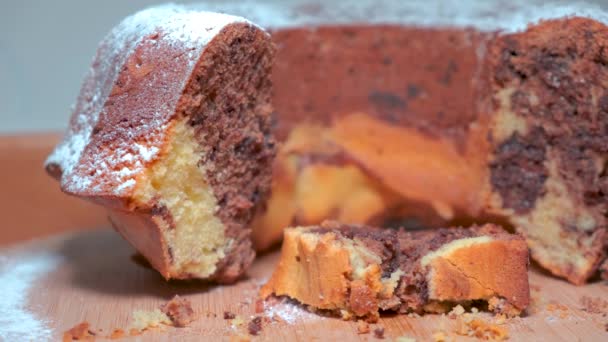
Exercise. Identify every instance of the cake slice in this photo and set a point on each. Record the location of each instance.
(498, 113)
(171, 132)
(357, 270)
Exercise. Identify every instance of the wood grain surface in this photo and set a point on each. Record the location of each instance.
(97, 281)
(31, 203)
(94, 278)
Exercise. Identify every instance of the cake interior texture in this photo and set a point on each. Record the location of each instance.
(215, 171)
(549, 156)
(194, 234)
(479, 126)
(358, 271)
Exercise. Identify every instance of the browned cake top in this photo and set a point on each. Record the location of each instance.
(369, 63)
(413, 245)
(129, 97)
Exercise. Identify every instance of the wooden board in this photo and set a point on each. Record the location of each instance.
(31, 203)
(90, 276)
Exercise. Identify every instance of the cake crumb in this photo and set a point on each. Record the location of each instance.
(179, 310)
(346, 315)
(79, 332)
(255, 326)
(134, 332)
(116, 334)
(379, 333)
(439, 336)
(362, 327)
(259, 306)
(456, 311)
(237, 321)
(240, 338)
(554, 306)
(229, 315)
(143, 320)
(474, 310)
(594, 305)
(481, 329)
(500, 319)
(405, 339)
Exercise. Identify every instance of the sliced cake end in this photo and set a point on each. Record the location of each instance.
(357, 271)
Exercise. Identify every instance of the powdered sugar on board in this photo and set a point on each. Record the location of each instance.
(96, 170)
(18, 274)
(288, 311)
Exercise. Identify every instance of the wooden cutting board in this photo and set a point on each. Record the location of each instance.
(51, 284)
(55, 283)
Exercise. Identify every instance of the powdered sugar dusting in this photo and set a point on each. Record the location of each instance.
(146, 153)
(17, 276)
(129, 183)
(288, 311)
(81, 164)
(487, 15)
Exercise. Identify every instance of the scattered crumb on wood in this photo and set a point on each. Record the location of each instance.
(116, 334)
(346, 315)
(456, 311)
(79, 332)
(439, 336)
(405, 339)
(143, 320)
(379, 333)
(594, 305)
(563, 310)
(537, 303)
(500, 319)
(179, 310)
(255, 326)
(237, 321)
(259, 306)
(229, 315)
(554, 306)
(134, 332)
(362, 327)
(481, 329)
(240, 338)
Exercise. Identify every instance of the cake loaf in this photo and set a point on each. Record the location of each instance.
(171, 132)
(355, 270)
(396, 112)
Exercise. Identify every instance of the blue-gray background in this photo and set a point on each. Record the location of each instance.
(45, 49)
